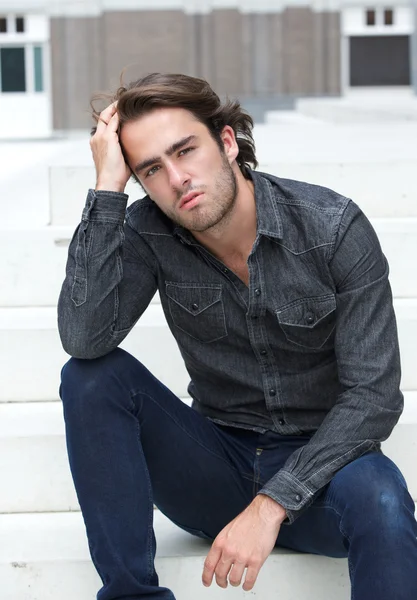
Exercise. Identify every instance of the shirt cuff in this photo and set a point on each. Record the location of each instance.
(107, 207)
(285, 489)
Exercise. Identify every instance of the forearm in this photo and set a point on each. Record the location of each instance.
(352, 428)
(95, 311)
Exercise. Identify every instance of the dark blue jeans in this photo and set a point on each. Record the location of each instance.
(132, 443)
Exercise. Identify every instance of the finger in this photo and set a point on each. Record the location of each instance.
(222, 571)
(210, 565)
(113, 124)
(250, 579)
(236, 573)
(108, 112)
(105, 117)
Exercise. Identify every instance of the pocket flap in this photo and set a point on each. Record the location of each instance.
(308, 312)
(194, 298)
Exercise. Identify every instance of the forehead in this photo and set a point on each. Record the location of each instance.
(155, 131)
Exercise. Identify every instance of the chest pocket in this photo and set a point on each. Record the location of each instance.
(309, 322)
(197, 310)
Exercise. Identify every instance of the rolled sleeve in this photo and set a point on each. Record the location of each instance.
(107, 207)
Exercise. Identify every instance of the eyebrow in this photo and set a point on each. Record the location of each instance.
(168, 152)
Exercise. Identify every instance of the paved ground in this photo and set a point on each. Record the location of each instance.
(366, 127)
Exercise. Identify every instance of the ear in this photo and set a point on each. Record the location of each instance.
(231, 148)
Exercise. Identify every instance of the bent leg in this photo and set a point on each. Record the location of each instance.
(366, 514)
(131, 442)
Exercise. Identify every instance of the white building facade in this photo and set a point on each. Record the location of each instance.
(55, 53)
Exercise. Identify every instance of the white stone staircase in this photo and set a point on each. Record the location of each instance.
(43, 549)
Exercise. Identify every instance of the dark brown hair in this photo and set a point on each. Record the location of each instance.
(158, 90)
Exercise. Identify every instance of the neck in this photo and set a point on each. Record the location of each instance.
(236, 233)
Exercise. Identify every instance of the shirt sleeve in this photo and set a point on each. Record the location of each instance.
(110, 279)
(368, 360)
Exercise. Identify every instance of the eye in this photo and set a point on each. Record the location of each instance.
(151, 171)
(185, 151)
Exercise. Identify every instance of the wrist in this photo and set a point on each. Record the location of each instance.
(109, 186)
(271, 509)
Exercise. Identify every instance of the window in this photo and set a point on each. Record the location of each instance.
(388, 16)
(22, 61)
(38, 67)
(20, 25)
(370, 16)
(12, 69)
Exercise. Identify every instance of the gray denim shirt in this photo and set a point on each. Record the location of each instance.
(310, 346)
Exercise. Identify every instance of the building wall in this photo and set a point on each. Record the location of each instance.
(261, 51)
(291, 53)
(76, 47)
(31, 95)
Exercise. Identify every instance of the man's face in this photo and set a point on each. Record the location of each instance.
(181, 167)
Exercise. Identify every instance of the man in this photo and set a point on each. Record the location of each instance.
(277, 293)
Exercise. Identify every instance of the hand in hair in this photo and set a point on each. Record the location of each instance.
(112, 172)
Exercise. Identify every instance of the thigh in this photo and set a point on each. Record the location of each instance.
(201, 474)
(367, 489)
(126, 427)
(316, 531)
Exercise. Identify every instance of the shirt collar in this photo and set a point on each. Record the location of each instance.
(269, 222)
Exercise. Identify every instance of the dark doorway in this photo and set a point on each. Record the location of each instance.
(12, 61)
(380, 60)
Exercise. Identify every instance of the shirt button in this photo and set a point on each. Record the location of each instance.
(194, 306)
(263, 352)
(272, 392)
(298, 498)
(310, 319)
(257, 292)
(225, 270)
(281, 422)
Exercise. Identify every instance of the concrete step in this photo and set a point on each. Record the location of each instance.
(28, 251)
(381, 185)
(34, 467)
(35, 475)
(29, 343)
(34, 268)
(45, 557)
(395, 106)
(383, 189)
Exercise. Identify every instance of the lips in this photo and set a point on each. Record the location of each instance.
(188, 198)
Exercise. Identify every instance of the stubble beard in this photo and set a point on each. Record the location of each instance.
(219, 208)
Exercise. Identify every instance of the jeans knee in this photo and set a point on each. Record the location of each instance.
(376, 495)
(83, 379)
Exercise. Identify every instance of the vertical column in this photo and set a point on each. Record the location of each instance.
(193, 58)
(227, 46)
(298, 51)
(247, 55)
(413, 50)
(277, 54)
(260, 49)
(59, 86)
(333, 53)
(206, 43)
(320, 47)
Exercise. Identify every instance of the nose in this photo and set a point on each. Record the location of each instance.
(178, 178)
